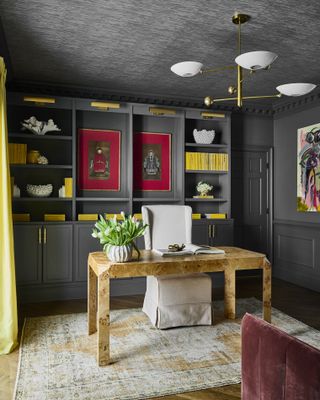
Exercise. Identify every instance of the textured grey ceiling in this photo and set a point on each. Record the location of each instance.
(129, 46)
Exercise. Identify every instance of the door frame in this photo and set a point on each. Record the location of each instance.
(269, 152)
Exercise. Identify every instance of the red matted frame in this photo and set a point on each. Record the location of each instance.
(161, 141)
(111, 140)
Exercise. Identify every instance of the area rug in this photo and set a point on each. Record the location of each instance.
(58, 358)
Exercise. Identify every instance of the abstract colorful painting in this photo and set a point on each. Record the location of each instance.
(308, 179)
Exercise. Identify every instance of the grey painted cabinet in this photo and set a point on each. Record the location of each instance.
(213, 233)
(28, 254)
(43, 253)
(200, 234)
(84, 243)
(57, 253)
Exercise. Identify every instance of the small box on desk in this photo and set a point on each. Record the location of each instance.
(21, 217)
(87, 217)
(54, 217)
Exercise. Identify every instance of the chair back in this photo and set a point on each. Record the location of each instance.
(168, 224)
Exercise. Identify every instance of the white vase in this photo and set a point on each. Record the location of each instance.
(120, 253)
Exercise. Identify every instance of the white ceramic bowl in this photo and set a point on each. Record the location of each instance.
(204, 136)
(39, 190)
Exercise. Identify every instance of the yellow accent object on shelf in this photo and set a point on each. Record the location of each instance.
(198, 161)
(21, 217)
(87, 217)
(216, 216)
(17, 153)
(137, 216)
(196, 216)
(54, 217)
(8, 297)
(110, 216)
(68, 187)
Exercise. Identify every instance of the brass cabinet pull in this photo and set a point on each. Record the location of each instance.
(39, 236)
(45, 235)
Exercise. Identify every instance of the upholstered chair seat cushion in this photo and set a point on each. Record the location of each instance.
(174, 300)
(275, 365)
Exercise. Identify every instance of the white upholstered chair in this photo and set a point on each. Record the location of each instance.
(174, 300)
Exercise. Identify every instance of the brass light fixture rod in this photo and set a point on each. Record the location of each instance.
(218, 69)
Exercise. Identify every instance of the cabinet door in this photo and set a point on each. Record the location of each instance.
(84, 243)
(28, 252)
(221, 234)
(57, 253)
(200, 234)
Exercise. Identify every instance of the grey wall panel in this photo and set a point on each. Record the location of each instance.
(251, 130)
(297, 253)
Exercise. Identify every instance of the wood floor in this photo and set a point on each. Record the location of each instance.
(300, 303)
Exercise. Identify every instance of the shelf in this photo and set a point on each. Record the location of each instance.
(107, 199)
(215, 200)
(155, 199)
(35, 199)
(41, 137)
(208, 146)
(40, 166)
(201, 171)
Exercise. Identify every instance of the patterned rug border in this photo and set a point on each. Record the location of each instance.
(164, 393)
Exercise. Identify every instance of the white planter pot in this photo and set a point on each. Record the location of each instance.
(120, 253)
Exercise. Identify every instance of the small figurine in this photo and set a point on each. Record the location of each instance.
(43, 160)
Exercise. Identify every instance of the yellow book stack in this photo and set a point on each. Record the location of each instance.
(138, 216)
(68, 187)
(216, 216)
(206, 161)
(87, 217)
(17, 153)
(54, 217)
(21, 217)
(196, 216)
(118, 216)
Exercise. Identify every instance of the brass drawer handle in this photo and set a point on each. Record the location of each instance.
(39, 236)
(45, 235)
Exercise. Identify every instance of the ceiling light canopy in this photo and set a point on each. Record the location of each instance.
(296, 89)
(251, 61)
(255, 60)
(187, 69)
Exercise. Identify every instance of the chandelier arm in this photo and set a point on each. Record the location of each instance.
(218, 69)
(225, 99)
(262, 97)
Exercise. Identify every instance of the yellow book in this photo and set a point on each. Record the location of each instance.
(87, 217)
(196, 216)
(21, 217)
(137, 216)
(216, 216)
(54, 217)
(118, 216)
(68, 187)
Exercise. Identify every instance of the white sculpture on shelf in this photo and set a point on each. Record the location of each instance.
(204, 136)
(39, 127)
(43, 160)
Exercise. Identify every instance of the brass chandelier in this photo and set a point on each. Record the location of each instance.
(251, 62)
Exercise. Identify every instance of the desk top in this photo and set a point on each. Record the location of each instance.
(153, 264)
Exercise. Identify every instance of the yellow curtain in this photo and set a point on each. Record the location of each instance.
(8, 300)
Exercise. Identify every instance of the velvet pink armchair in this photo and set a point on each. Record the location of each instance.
(275, 365)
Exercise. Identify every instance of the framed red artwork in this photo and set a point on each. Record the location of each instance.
(152, 161)
(99, 159)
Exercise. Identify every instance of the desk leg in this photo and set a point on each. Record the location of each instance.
(267, 291)
(103, 319)
(230, 293)
(92, 301)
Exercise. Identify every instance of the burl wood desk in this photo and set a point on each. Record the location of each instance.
(101, 270)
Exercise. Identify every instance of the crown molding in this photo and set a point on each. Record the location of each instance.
(114, 95)
(293, 104)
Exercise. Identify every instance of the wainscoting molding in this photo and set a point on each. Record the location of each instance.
(297, 253)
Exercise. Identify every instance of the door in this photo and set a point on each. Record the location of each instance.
(250, 199)
(28, 254)
(57, 253)
(84, 243)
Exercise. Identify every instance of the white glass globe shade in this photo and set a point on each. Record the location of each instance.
(255, 60)
(296, 89)
(187, 69)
